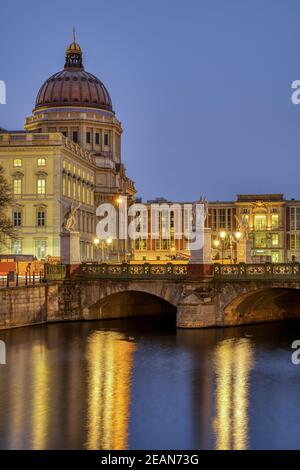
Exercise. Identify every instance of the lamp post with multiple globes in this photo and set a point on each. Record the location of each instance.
(224, 238)
(101, 244)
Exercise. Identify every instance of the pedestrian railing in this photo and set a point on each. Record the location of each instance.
(55, 272)
(144, 271)
(248, 272)
(13, 279)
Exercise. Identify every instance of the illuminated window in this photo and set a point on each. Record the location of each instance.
(140, 244)
(295, 241)
(64, 164)
(295, 218)
(74, 189)
(275, 239)
(79, 192)
(83, 193)
(260, 240)
(17, 218)
(69, 187)
(17, 187)
(41, 218)
(260, 222)
(17, 247)
(275, 220)
(275, 257)
(41, 186)
(40, 249)
(18, 162)
(87, 195)
(41, 162)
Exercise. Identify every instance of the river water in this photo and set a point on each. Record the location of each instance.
(140, 384)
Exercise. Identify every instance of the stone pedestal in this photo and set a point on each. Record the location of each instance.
(70, 250)
(200, 264)
(243, 253)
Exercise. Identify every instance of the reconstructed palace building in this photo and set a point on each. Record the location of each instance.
(69, 153)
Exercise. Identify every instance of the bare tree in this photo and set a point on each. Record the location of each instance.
(7, 229)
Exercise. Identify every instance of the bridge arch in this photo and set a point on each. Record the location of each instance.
(128, 299)
(263, 304)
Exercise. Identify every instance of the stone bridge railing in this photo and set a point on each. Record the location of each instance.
(249, 272)
(55, 272)
(125, 271)
(169, 271)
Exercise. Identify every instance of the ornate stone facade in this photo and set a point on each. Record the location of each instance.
(70, 151)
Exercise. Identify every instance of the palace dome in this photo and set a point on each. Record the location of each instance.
(73, 86)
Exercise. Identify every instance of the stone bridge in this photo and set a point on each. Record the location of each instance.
(231, 295)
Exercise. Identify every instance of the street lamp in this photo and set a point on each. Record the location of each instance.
(121, 245)
(98, 242)
(223, 238)
(108, 242)
(223, 235)
(238, 235)
(216, 243)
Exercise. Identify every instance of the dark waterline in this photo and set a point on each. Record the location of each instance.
(140, 384)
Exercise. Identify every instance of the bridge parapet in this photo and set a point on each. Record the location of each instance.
(55, 272)
(126, 271)
(249, 272)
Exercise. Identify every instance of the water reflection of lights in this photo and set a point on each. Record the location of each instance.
(233, 362)
(40, 383)
(109, 358)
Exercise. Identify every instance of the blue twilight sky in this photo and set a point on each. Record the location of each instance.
(202, 87)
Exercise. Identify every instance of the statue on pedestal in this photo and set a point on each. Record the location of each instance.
(69, 222)
(70, 237)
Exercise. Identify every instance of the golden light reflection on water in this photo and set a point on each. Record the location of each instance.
(39, 397)
(233, 362)
(110, 359)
